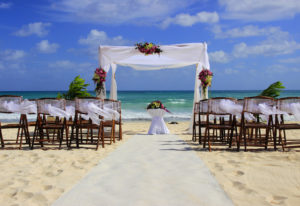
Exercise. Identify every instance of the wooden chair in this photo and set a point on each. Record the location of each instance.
(251, 130)
(82, 129)
(200, 112)
(110, 105)
(223, 129)
(22, 126)
(285, 105)
(118, 108)
(50, 128)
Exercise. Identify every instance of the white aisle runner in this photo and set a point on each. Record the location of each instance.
(156, 170)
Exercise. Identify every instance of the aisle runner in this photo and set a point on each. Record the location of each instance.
(148, 170)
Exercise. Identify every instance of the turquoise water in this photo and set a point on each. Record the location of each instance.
(134, 103)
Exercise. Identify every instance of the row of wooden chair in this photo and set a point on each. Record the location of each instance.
(49, 130)
(230, 128)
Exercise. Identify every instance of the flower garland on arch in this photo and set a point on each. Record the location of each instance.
(148, 48)
(99, 78)
(205, 77)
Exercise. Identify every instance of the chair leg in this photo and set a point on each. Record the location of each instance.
(1, 137)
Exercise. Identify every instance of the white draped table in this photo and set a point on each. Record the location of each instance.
(158, 125)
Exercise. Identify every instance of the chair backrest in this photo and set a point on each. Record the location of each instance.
(203, 106)
(9, 98)
(288, 104)
(251, 104)
(80, 103)
(43, 102)
(214, 105)
(70, 103)
(196, 107)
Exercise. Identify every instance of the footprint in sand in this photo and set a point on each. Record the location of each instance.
(239, 173)
(39, 198)
(276, 199)
(48, 187)
(219, 167)
(239, 185)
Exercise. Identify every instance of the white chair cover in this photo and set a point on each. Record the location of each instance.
(158, 125)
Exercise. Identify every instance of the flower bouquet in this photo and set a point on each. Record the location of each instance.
(205, 77)
(157, 105)
(148, 48)
(99, 79)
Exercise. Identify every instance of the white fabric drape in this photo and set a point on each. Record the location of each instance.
(113, 86)
(173, 56)
(158, 125)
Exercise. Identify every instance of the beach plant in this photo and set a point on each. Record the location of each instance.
(148, 48)
(273, 90)
(77, 88)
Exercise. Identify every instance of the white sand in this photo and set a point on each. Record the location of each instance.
(249, 178)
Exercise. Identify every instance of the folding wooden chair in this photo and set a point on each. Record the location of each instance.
(251, 130)
(223, 130)
(286, 105)
(50, 126)
(22, 125)
(82, 129)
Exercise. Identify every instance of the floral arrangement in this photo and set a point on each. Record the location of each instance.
(148, 48)
(157, 105)
(99, 77)
(205, 77)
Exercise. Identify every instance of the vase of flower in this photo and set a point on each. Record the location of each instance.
(99, 79)
(101, 90)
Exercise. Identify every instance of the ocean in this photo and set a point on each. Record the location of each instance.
(134, 103)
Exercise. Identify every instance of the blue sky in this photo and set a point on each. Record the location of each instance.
(251, 43)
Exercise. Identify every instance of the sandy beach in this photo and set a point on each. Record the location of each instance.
(249, 178)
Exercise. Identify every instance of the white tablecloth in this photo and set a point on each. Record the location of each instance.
(158, 125)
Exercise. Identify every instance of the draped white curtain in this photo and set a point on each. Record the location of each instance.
(173, 56)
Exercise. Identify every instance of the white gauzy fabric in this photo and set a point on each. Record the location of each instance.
(70, 110)
(109, 107)
(293, 109)
(230, 107)
(54, 111)
(113, 86)
(173, 56)
(158, 125)
(24, 107)
(93, 112)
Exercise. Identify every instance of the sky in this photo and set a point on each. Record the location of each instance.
(44, 44)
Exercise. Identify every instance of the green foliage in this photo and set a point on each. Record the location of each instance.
(77, 88)
(273, 90)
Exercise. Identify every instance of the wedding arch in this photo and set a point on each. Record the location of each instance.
(172, 56)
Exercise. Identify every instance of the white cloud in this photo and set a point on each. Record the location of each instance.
(249, 31)
(266, 48)
(230, 71)
(11, 59)
(5, 5)
(45, 47)
(96, 37)
(117, 11)
(295, 60)
(66, 64)
(37, 28)
(282, 69)
(189, 20)
(219, 57)
(260, 10)
(11, 55)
